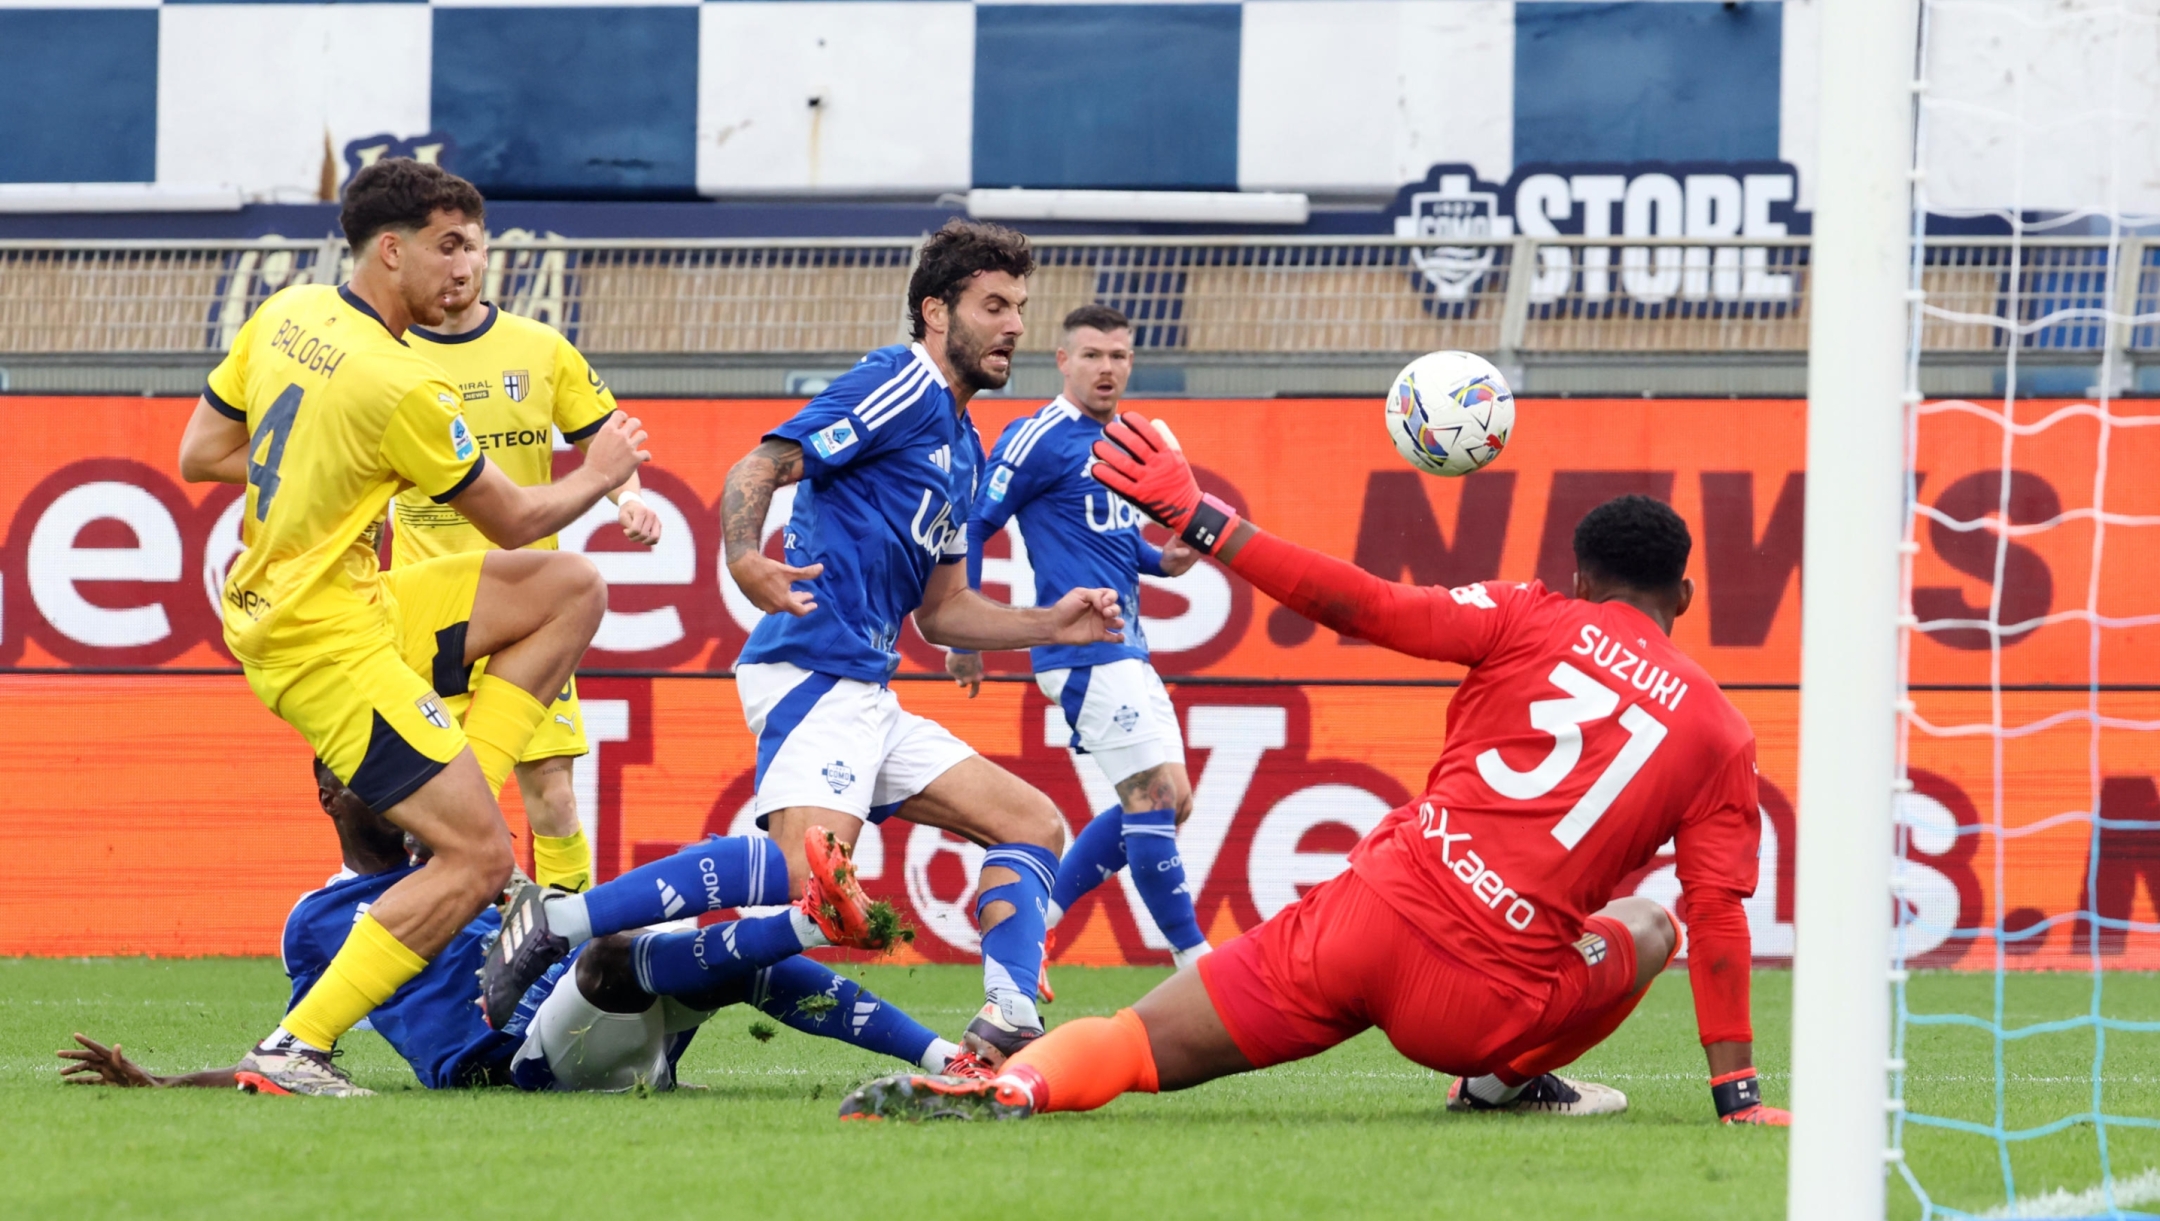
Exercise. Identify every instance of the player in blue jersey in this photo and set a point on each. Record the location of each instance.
(619, 1011)
(885, 462)
(1079, 534)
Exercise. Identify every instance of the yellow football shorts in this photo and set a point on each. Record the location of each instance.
(432, 603)
(372, 709)
(435, 598)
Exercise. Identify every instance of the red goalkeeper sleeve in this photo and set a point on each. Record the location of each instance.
(1719, 955)
(1423, 621)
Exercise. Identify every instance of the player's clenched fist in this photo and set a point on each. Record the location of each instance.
(637, 519)
(618, 448)
(1088, 616)
(1140, 460)
(966, 669)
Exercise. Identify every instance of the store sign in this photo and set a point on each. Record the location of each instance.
(1469, 217)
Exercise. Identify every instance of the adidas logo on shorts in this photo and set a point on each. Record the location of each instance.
(1592, 947)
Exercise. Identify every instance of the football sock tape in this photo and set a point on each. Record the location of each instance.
(1013, 950)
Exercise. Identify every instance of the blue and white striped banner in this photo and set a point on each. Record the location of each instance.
(903, 97)
(912, 98)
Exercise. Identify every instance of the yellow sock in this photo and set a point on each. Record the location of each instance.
(562, 861)
(370, 966)
(499, 725)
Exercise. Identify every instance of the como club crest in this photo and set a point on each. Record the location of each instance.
(516, 384)
(1456, 211)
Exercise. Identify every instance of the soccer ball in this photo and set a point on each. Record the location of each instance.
(1449, 413)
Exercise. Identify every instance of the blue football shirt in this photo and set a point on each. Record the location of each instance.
(1079, 534)
(889, 467)
(434, 1020)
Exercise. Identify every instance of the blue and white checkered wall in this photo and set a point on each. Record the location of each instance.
(913, 97)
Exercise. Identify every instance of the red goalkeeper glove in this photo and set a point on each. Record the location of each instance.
(1739, 1101)
(1139, 460)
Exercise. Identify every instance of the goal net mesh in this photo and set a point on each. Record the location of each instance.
(2028, 825)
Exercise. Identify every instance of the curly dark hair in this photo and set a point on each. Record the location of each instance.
(1636, 541)
(401, 193)
(1105, 318)
(953, 256)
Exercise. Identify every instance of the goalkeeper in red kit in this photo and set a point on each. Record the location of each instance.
(1475, 925)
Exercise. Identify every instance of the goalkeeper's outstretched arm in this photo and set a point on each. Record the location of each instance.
(1139, 460)
(1418, 620)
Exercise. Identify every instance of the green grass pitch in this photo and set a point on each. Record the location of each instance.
(1356, 1132)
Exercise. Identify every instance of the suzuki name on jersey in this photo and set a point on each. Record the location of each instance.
(1471, 871)
(307, 351)
(1621, 661)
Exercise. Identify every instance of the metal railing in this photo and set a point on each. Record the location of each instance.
(1294, 295)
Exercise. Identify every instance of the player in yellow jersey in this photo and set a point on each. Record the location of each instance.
(324, 412)
(519, 381)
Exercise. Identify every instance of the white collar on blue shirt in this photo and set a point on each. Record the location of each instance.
(923, 354)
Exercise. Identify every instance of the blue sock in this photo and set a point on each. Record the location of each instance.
(712, 874)
(1096, 855)
(1159, 873)
(854, 1015)
(690, 964)
(1013, 951)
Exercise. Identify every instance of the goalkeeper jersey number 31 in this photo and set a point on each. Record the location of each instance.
(1581, 741)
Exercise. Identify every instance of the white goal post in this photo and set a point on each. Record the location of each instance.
(1857, 349)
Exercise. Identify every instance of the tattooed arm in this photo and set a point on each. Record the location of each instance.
(768, 583)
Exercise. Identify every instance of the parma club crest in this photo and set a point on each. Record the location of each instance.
(432, 708)
(516, 382)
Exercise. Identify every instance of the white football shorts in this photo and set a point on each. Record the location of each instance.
(1119, 713)
(838, 743)
(590, 1049)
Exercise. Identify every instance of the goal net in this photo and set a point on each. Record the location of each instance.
(2026, 1082)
